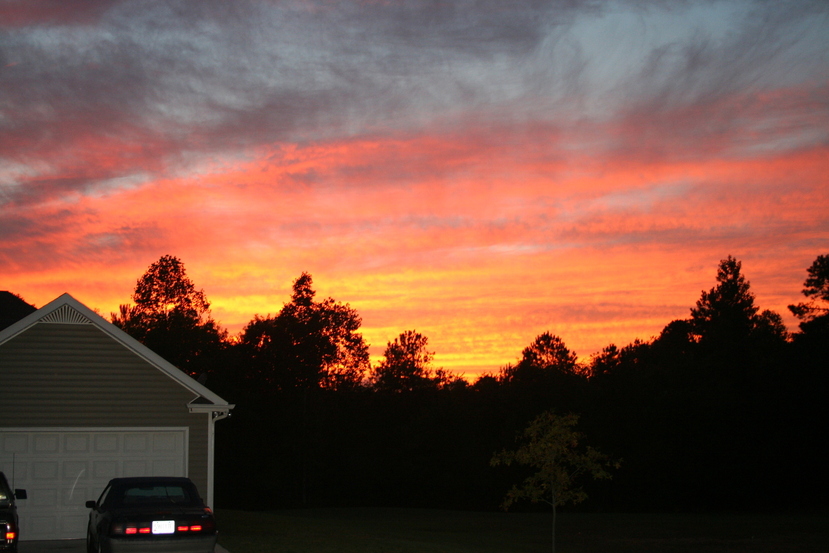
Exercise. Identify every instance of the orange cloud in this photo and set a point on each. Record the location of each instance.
(464, 239)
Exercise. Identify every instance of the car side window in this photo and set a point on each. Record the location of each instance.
(104, 496)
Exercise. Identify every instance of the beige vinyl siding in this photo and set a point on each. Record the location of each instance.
(75, 375)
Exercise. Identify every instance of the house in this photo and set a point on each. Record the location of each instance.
(82, 402)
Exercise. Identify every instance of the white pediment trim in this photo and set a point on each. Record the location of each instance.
(65, 314)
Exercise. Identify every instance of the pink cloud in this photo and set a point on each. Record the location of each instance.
(19, 13)
(470, 237)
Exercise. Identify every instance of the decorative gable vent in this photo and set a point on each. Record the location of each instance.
(66, 315)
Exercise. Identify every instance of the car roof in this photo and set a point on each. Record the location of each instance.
(144, 480)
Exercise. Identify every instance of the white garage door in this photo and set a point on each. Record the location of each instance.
(61, 469)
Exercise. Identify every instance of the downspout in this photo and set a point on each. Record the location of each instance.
(211, 447)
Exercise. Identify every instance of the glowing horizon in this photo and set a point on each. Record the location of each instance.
(481, 174)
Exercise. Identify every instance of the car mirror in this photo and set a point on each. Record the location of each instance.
(20, 494)
(91, 504)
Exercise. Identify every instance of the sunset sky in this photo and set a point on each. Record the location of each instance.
(480, 171)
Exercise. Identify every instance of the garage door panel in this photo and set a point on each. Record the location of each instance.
(44, 470)
(75, 444)
(137, 468)
(39, 497)
(69, 523)
(61, 470)
(13, 444)
(136, 444)
(165, 467)
(74, 497)
(46, 443)
(105, 443)
(40, 525)
(104, 469)
(21, 471)
(73, 468)
(166, 442)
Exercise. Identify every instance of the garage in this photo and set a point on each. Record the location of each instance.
(61, 469)
(81, 403)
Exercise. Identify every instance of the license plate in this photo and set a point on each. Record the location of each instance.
(164, 527)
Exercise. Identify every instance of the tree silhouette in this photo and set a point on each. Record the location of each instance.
(406, 365)
(727, 311)
(547, 354)
(165, 291)
(605, 362)
(308, 344)
(172, 317)
(816, 288)
(701, 413)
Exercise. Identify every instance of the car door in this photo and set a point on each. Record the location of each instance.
(97, 516)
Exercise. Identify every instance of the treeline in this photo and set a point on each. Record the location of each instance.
(723, 410)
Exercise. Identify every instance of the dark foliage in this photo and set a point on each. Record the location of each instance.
(13, 308)
(173, 319)
(307, 345)
(723, 410)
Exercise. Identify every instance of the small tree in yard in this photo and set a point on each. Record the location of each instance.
(551, 445)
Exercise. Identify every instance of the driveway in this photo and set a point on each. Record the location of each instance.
(65, 546)
(56, 546)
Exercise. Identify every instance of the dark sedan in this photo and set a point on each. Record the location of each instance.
(9, 533)
(150, 514)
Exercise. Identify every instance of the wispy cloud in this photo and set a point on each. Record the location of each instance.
(480, 170)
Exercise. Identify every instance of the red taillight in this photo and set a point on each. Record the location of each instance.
(180, 528)
(9, 530)
(191, 528)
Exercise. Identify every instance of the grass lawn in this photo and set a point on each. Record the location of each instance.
(433, 531)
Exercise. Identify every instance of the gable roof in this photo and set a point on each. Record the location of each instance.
(12, 309)
(66, 309)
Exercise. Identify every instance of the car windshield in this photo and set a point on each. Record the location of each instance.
(153, 495)
(5, 492)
